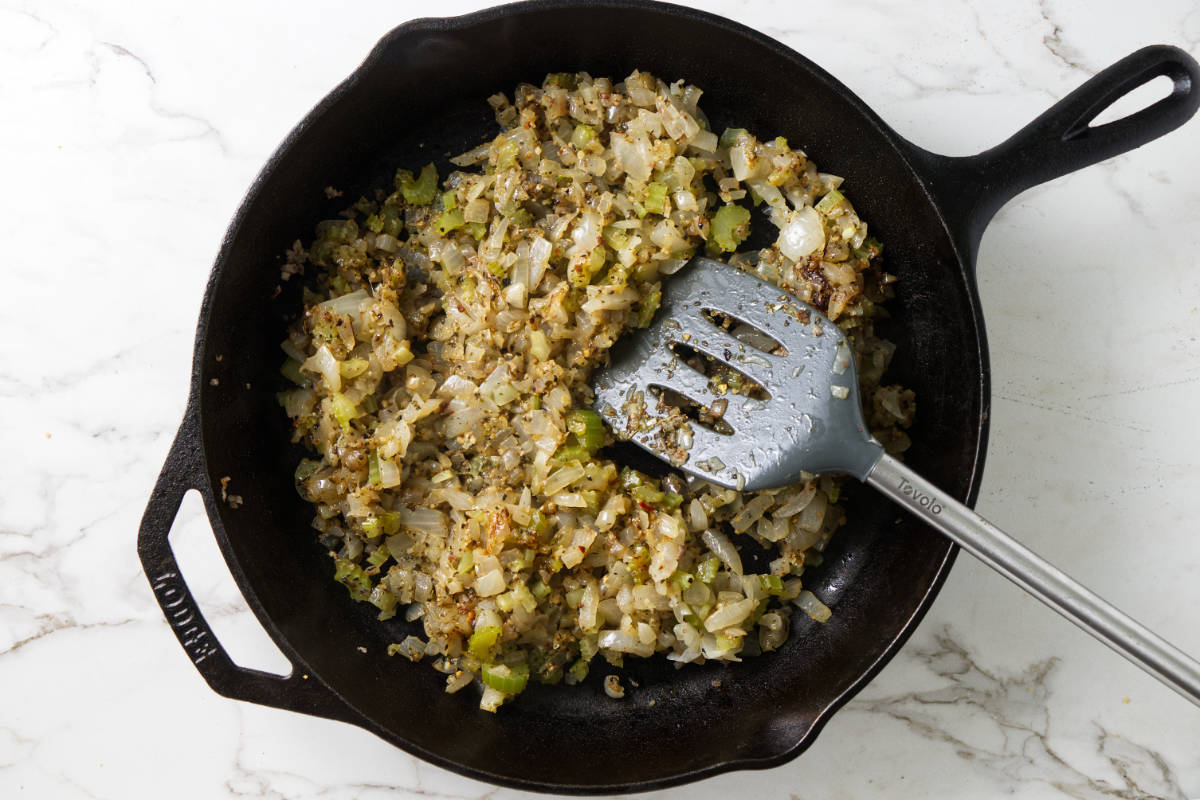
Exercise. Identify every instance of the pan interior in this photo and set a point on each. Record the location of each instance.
(420, 98)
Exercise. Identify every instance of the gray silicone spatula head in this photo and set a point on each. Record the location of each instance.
(712, 319)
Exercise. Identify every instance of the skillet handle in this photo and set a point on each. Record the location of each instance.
(182, 472)
(1062, 139)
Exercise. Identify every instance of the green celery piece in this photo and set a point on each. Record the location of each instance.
(419, 191)
(582, 135)
(373, 476)
(353, 367)
(648, 495)
(353, 577)
(578, 671)
(649, 307)
(343, 410)
(306, 469)
(572, 452)
(730, 137)
(449, 221)
(482, 641)
(371, 528)
(730, 227)
(506, 154)
(830, 201)
(771, 584)
(565, 80)
(587, 427)
(656, 199)
(391, 522)
(505, 678)
(707, 571)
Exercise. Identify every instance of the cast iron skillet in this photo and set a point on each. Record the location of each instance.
(425, 84)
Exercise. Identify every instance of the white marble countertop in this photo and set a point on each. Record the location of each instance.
(120, 121)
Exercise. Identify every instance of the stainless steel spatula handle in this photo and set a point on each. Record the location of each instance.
(1041, 579)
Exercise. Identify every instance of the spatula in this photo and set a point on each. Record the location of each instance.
(807, 418)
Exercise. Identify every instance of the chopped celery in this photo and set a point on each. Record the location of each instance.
(672, 501)
(730, 137)
(771, 584)
(421, 190)
(291, 371)
(539, 523)
(466, 562)
(681, 580)
(648, 495)
(707, 571)
(578, 671)
(505, 678)
(539, 589)
(374, 223)
(342, 409)
(833, 493)
(730, 227)
(649, 307)
(449, 200)
(656, 199)
(581, 272)
(371, 528)
(306, 469)
(870, 248)
(373, 476)
(565, 80)
(448, 221)
(587, 426)
(353, 367)
(477, 230)
(592, 498)
(830, 201)
(483, 640)
(506, 154)
(391, 522)
(582, 135)
(353, 577)
(615, 237)
(572, 452)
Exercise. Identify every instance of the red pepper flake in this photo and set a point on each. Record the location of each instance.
(645, 506)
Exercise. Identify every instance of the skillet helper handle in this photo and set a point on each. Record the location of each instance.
(182, 472)
(1062, 139)
(1042, 580)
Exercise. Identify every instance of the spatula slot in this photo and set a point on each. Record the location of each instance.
(705, 416)
(719, 373)
(745, 332)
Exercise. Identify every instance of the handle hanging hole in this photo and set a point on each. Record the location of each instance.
(212, 586)
(1128, 104)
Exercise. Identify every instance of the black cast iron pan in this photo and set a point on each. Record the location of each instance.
(420, 95)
